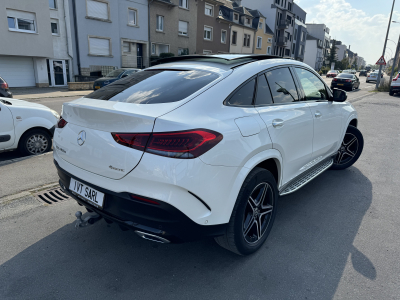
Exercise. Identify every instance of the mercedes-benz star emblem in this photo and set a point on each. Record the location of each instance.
(81, 138)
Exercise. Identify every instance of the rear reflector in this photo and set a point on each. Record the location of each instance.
(61, 123)
(141, 199)
(180, 144)
(4, 85)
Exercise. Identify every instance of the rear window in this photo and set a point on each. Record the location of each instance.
(345, 76)
(155, 86)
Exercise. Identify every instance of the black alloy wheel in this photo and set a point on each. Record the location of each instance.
(350, 149)
(253, 215)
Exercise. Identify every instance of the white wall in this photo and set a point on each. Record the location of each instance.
(310, 53)
(341, 51)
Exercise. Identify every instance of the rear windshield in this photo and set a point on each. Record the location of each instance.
(345, 76)
(155, 86)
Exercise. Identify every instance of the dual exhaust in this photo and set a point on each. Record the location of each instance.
(152, 237)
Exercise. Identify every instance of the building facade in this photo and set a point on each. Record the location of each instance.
(264, 35)
(321, 32)
(213, 30)
(313, 55)
(36, 48)
(173, 27)
(109, 34)
(300, 33)
(341, 51)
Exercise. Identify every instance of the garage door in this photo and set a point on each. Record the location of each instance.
(17, 71)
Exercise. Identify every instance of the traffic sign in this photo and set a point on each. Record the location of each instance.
(381, 61)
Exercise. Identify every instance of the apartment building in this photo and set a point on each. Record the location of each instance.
(213, 30)
(314, 52)
(341, 51)
(321, 32)
(300, 33)
(173, 27)
(108, 34)
(36, 45)
(264, 35)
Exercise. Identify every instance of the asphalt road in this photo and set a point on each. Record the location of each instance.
(338, 237)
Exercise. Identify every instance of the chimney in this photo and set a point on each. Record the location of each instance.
(349, 47)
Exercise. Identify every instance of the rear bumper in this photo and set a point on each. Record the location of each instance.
(395, 89)
(163, 220)
(344, 85)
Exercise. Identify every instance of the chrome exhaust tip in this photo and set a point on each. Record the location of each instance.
(151, 237)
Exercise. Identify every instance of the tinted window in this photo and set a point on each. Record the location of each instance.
(154, 86)
(313, 88)
(129, 72)
(345, 76)
(282, 86)
(263, 93)
(244, 96)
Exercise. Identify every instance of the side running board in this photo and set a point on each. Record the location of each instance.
(303, 180)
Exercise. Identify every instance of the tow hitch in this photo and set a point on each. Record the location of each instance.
(90, 219)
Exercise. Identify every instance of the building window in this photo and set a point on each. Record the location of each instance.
(132, 16)
(160, 23)
(157, 49)
(223, 36)
(302, 36)
(153, 49)
(209, 10)
(289, 6)
(287, 52)
(207, 51)
(21, 21)
(126, 47)
(293, 48)
(54, 27)
(183, 28)
(301, 50)
(53, 4)
(269, 50)
(100, 46)
(183, 3)
(97, 9)
(208, 33)
(246, 40)
(247, 21)
(183, 51)
(236, 17)
(269, 40)
(234, 37)
(277, 2)
(260, 25)
(259, 42)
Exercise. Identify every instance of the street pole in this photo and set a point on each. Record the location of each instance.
(384, 47)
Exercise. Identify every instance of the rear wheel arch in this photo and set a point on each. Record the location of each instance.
(354, 123)
(273, 166)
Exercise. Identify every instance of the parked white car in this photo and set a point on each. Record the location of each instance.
(203, 146)
(26, 126)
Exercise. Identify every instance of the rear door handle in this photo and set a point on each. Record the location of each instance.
(277, 123)
(318, 114)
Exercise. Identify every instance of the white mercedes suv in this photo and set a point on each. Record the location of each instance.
(203, 146)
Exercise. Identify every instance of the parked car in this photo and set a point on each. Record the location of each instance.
(395, 85)
(346, 81)
(332, 73)
(4, 89)
(363, 73)
(373, 76)
(26, 126)
(113, 76)
(196, 147)
(347, 72)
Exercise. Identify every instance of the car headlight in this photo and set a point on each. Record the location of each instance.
(55, 113)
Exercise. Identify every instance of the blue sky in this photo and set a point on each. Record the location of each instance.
(359, 23)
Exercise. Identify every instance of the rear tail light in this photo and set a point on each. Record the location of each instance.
(4, 85)
(180, 144)
(348, 80)
(397, 77)
(61, 123)
(334, 79)
(142, 199)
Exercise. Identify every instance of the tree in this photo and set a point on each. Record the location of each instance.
(343, 64)
(332, 55)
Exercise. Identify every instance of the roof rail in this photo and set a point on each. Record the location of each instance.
(227, 58)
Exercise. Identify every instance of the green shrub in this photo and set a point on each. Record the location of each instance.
(166, 54)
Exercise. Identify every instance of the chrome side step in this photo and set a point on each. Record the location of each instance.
(310, 175)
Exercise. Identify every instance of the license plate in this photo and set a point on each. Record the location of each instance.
(97, 87)
(86, 193)
(340, 84)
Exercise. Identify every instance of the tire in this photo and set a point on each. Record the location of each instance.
(391, 93)
(28, 142)
(242, 235)
(350, 149)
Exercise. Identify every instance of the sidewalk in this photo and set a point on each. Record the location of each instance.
(50, 92)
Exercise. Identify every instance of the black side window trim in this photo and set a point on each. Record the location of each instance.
(226, 101)
(256, 91)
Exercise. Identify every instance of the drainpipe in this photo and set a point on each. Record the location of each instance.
(66, 27)
(148, 13)
(78, 57)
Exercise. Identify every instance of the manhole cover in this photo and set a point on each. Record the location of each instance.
(52, 196)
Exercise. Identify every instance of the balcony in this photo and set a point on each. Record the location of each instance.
(282, 41)
(283, 24)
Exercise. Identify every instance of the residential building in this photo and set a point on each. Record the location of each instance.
(362, 63)
(321, 32)
(351, 56)
(264, 35)
(108, 35)
(281, 19)
(241, 22)
(300, 33)
(36, 43)
(213, 30)
(173, 27)
(313, 55)
(341, 51)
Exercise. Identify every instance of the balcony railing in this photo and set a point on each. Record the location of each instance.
(283, 24)
(282, 41)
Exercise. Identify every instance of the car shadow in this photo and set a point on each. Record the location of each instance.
(304, 257)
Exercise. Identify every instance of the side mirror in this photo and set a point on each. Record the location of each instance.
(339, 95)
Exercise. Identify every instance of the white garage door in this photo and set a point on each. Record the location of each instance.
(17, 71)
